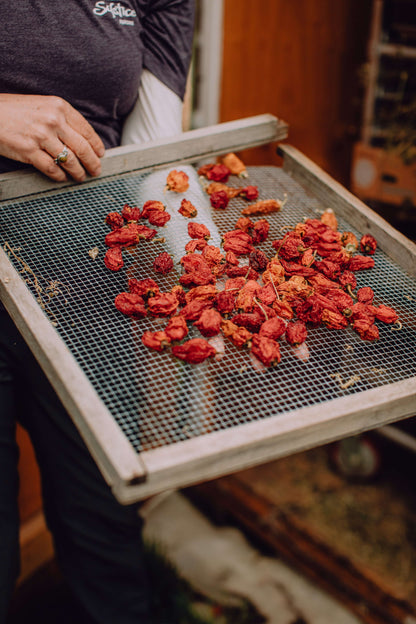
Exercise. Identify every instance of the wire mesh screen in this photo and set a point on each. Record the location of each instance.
(53, 239)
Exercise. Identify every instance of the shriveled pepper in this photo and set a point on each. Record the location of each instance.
(157, 340)
(214, 187)
(250, 193)
(150, 206)
(218, 173)
(131, 213)
(225, 302)
(266, 350)
(235, 165)
(358, 263)
(131, 305)
(177, 181)
(158, 217)
(123, 237)
(196, 244)
(163, 304)
(296, 333)
(219, 200)
(193, 310)
(194, 351)
(176, 329)
(365, 294)
(263, 206)
(163, 263)
(145, 288)
(258, 260)
(239, 336)
(187, 209)
(260, 231)
(113, 259)
(209, 323)
(328, 217)
(386, 314)
(114, 220)
(238, 242)
(198, 230)
(273, 328)
(143, 231)
(206, 292)
(368, 244)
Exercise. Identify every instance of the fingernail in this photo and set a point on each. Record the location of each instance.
(101, 152)
(96, 172)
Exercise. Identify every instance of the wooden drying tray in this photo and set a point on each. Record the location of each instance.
(134, 476)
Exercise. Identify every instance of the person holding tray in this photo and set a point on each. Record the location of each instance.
(70, 74)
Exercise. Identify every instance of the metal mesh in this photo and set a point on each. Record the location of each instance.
(156, 399)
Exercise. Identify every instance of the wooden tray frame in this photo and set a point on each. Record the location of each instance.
(135, 476)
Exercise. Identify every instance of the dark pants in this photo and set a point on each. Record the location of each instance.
(97, 541)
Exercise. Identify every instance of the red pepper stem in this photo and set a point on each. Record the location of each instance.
(349, 290)
(397, 326)
(261, 308)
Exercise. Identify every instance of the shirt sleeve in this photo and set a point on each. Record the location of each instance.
(157, 113)
(168, 30)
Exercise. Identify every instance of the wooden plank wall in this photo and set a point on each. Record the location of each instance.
(301, 61)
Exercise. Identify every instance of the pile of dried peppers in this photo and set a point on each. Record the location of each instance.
(235, 291)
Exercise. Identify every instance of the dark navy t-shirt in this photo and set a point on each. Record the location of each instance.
(92, 52)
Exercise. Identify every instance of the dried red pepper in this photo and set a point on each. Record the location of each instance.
(214, 187)
(260, 231)
(365, 295)
(198, 230)
(194, 351)
(238, 242)
(158, 217)
(123, 237)
(225, 302)
(163, 263)
(219, 200)
(250, 193)
(266, 350)
(235, 165)
(163, 304)
(187, 209)
(258, 260)
(273, 328)
(209, 323)
(131, 305)
(113, 259)
(157, 340)
(239, 336)
(177, 181)
(386, 314)
(145, 288)
(368, 244)
(150, 206)
(218, 173)
(131, 213)
(114, 220)
(358, 263)
(196, 244)
(296, 333)
(263, 206)
(177, 328)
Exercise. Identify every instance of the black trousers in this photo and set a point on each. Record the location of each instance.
(97, 541)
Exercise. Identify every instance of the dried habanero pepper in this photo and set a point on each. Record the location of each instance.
(296, 333)
(158, 217)
(250, 193)
(113, 259)
(358, 263)
(347, 278)
(203, 169)
(273, 328)
(334, 320)
(239, 336)
(368, 244)
(365, 295)
(218, 173)
(245, 224)
(150, 206)
(212, 255)
(238, 242)
(131, 213)
(214, 187)
(193, 310)
(386, 314)
(349, 241)
(178, 292)
(231, 258)
(209, 323)
(194, 351)
(162, 304)
(114, 220)
(123, 237)
(260, 231)
(258, 260)
(145, 288)
(187, 209)
(131, 305)
(157, 340)
(235, 165)
(219, 200)
(207, 292)
(225, 302)
(196, 244)
(198, 230)
(266, 350)
(176, 329)
(328, 217)
(163, 263)
(177, 181)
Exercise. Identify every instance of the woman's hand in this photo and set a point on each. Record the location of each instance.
(34, 129)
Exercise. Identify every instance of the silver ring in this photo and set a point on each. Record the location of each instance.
(62, 156)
